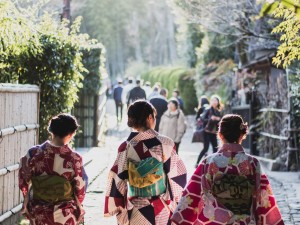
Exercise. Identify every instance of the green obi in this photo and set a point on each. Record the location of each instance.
(52, 189)
(235, 193)
(146, 178)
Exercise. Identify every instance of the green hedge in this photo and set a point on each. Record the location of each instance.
(175, 78)
(45, 53)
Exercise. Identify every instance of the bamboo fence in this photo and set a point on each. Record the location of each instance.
(19, 112)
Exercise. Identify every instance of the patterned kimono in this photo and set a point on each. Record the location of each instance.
(147, 148)
(65, 165)
(228, 188)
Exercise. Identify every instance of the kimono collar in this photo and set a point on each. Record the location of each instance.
(231, 147)
(137, 136)
(56, 149)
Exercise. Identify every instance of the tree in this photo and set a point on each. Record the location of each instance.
(43, 52)
(133, 30)
(234, 20)
(289, 49)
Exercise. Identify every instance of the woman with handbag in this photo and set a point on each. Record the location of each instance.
(147, 178)
(210, 117)
(52, 178)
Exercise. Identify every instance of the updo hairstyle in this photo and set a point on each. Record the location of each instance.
(232, 126)
(62, 125)
(138, 113)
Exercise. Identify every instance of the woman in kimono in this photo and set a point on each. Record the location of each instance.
(147, 178)
(228, 187)
(51, 177)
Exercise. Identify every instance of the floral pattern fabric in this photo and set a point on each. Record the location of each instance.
(155, 210)
(228, 188)
(47, 159)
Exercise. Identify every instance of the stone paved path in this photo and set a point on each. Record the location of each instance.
(103, 158)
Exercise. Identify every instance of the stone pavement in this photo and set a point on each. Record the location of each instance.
(285, 185)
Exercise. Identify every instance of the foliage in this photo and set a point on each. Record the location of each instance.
(94, 63)
(176, 78)
(216, 78)
(132, 30)
(136, 68)
(289, 28)
(42, 52)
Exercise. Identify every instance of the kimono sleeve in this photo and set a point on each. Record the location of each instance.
(24, 174)
(116, 190)
(79, 180)
(191, 203)
(176, 175)
(266, 208)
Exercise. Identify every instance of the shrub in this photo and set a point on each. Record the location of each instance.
(175, 78)
(45, 53)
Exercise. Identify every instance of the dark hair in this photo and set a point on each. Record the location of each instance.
(219, 106)
(163, 91)
(203, 101)
(175, 102)
(138, 81)
(138, 112)
(62, 125)
(232, 126)
(176, 91)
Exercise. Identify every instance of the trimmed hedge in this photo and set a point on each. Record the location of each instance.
(176, 78)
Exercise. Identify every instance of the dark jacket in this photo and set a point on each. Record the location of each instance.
(180, 101)
(211, 126)
(135, 94)
(161, 105)
(118, 93)
(201, 110)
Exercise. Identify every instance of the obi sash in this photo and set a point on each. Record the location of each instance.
(146, 178)
(235, 193)
(52, 189)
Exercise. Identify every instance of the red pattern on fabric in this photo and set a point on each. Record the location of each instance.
(40, 161)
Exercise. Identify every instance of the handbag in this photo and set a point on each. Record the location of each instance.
(198, 135)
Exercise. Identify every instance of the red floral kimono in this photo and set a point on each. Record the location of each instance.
(228, 188)
(63, 163)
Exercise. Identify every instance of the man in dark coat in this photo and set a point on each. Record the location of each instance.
(176, 95)
(136, 93)
(160, 103)
(118, 91)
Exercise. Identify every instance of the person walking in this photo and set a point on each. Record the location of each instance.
(203, 104)
(210, 117)
(126, 90)
(52, 178)
(176, 94)
(148, 89)
(228, 187)
(136, 93)
(160, 103)
(118, 91)
(172, 123)
(147, 178)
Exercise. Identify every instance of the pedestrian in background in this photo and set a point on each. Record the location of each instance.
(172, 123)
(229, 187)
(147, 178)
(176, 94)
(136, 93)
(160, 103)
(118, 92)
(202, 105)
(210, 117)
(52, 178)
(148, 89)
(155, 92)
(126, 89)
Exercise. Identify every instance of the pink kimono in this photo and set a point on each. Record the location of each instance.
(228, 188)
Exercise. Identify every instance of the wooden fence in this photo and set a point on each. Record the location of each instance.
(19, 111)
(90, 113)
